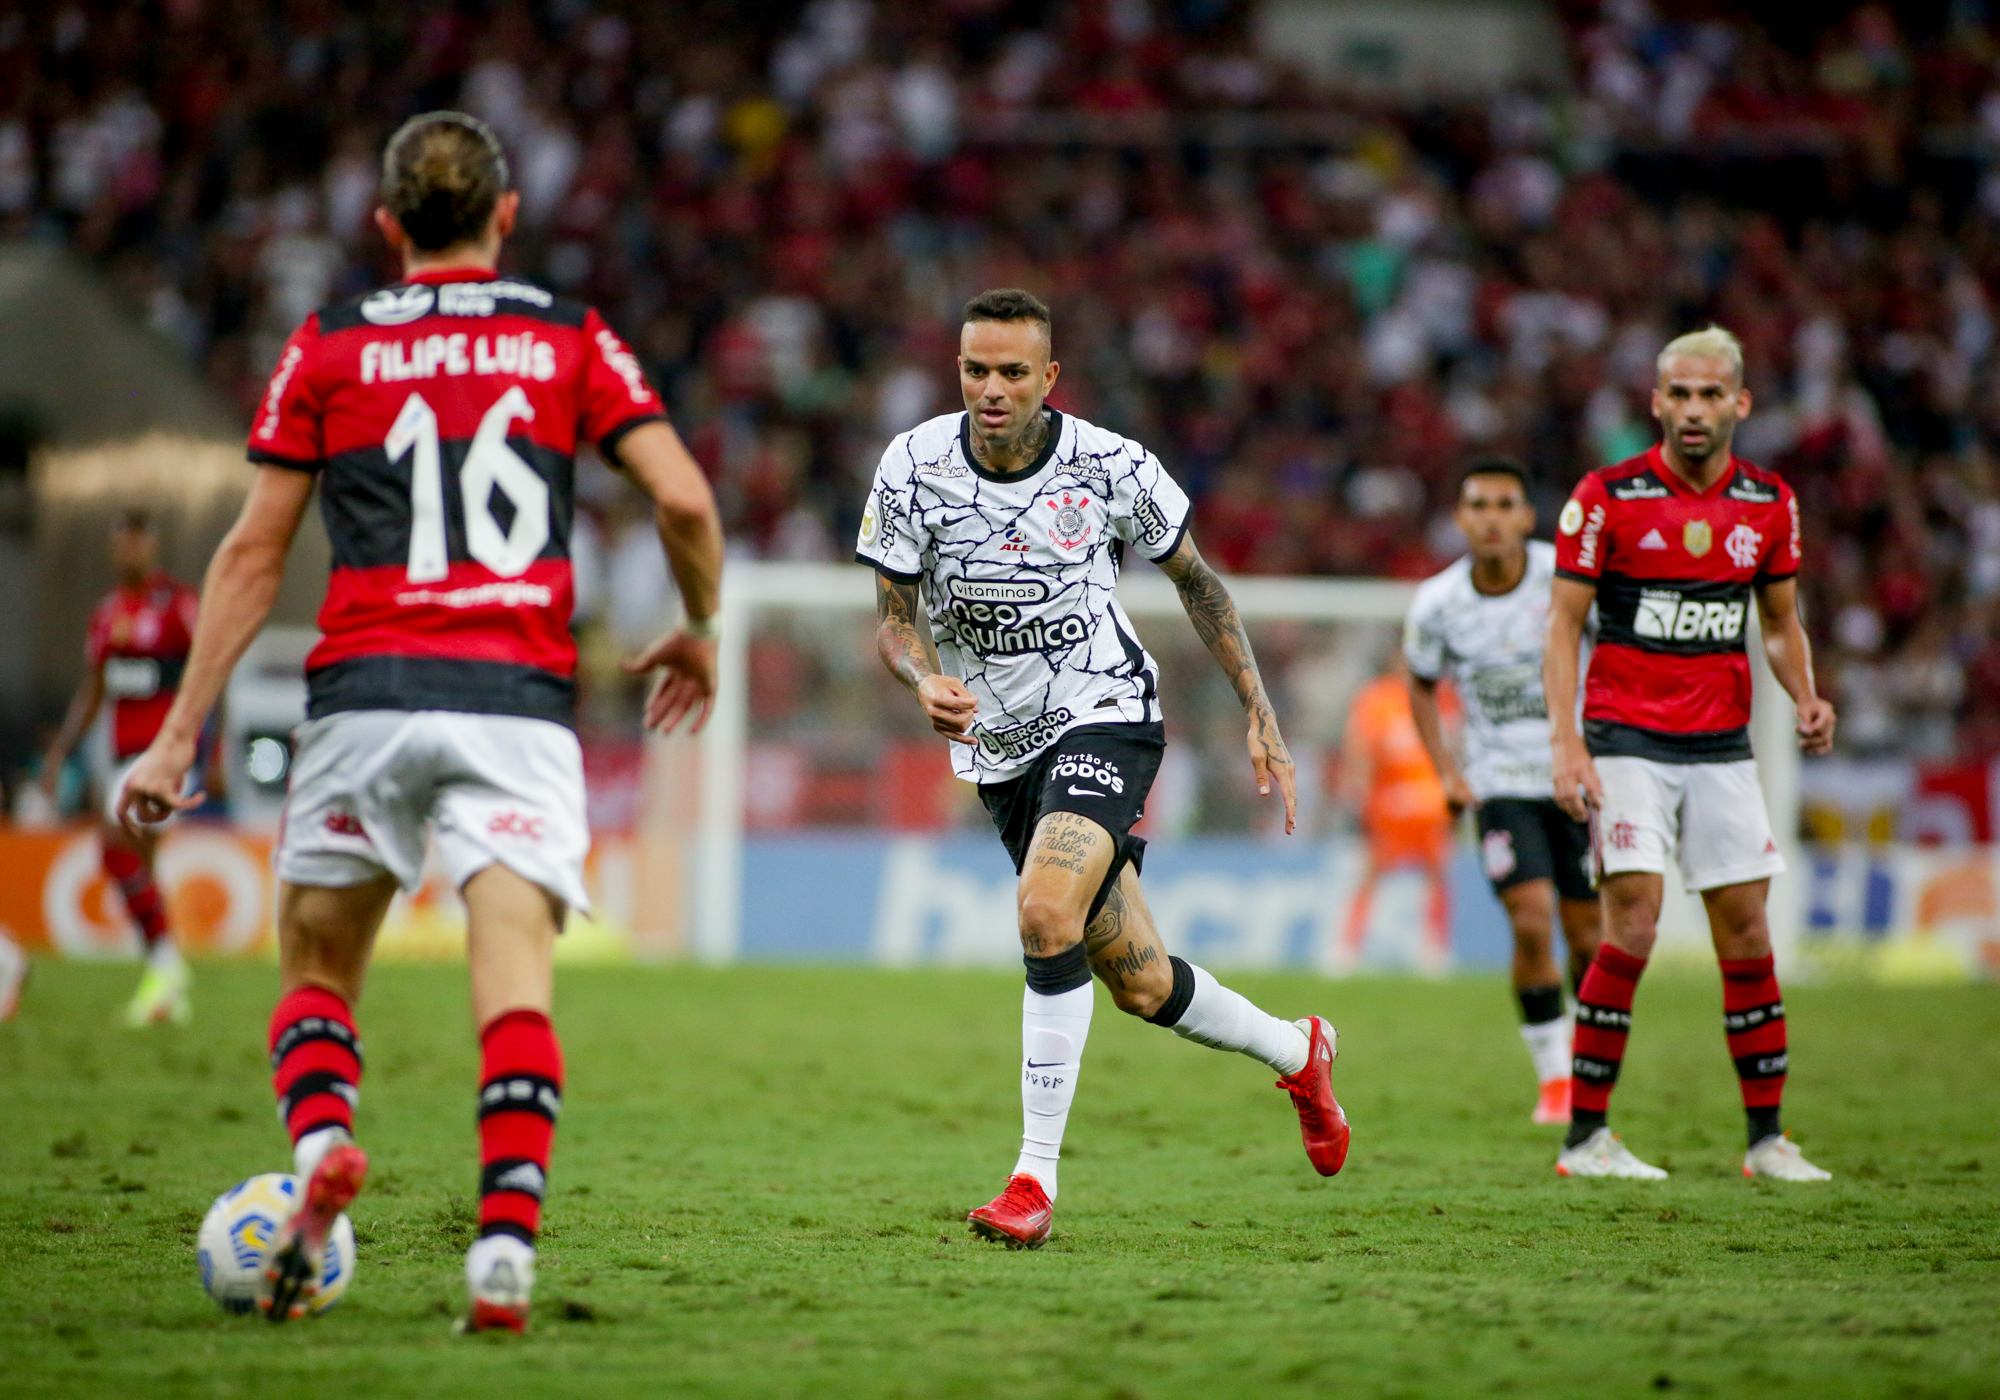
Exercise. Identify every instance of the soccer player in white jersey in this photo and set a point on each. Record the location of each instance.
(1014, 519)
(1481, 623)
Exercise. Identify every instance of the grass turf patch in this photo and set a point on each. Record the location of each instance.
(761, 1178)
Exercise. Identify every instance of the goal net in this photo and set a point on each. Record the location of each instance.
(817, 819)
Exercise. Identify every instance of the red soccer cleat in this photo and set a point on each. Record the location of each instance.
(1553, 1105)
(1018, 1217)
(298, 1255)
(1321, 1123)
(496, 1317)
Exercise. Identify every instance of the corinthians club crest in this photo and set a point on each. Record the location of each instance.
(1069, 527)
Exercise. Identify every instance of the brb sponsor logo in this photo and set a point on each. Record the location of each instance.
(1076, 768)
(1665, 616)
(344, 823)
(1023, 739)
(512, 823)
(990, 617)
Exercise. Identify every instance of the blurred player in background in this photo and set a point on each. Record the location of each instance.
(442, 692)
(1015, 518)
(1387, 777)
(1481, 624)
(136, 650)
(1672, 546)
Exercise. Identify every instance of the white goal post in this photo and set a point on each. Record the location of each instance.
(750, 587)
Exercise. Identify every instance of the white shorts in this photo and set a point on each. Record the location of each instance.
(1710, 814)
(492, 789)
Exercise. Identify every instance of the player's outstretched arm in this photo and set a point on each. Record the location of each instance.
(904, 644)
(1790, 654)
(1213, 613)
(236, 596)
(1576, 782)
(691, 532)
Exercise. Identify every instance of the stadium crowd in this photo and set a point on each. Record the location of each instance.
(783, 206)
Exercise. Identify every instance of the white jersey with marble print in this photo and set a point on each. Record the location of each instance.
(1018, 573)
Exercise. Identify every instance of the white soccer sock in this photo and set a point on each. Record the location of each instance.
(308, 1150)
(1548, 1047)
(1053, 1030)
(1226, 1020)
(165, 955)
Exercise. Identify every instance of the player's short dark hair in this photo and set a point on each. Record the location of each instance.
(442, 173)
(1009, 304)
(1492, 466)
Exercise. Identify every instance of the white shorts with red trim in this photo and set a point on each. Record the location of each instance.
(1710, 815)
(490, 790)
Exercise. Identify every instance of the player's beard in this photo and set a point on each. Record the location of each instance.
(1025, 442)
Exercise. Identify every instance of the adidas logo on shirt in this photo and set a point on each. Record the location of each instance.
(1653, 540)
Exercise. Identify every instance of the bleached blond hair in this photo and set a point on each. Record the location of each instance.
(1708, 343)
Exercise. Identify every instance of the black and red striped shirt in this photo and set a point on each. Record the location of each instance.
(1674, 568)
(443, 416)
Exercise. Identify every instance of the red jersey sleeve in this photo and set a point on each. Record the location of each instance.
(1583, 533)
(616, 396)
(1781, 557)
(286, 431)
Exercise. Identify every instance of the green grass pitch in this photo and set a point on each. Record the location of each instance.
(761, 1178)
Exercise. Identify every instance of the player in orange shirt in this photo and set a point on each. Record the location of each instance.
(1386, 774)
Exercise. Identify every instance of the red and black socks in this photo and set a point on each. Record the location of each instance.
(1753, 1017)
(315, 1069)
(124, 868)
(1603, 1022)
(520, 1097)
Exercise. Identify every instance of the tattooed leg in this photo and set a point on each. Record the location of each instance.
(1060, 878)
(1126, 952)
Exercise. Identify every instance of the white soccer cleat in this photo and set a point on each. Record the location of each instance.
(162, 995)
(1604, 1154)
(500, 1274)
(1777, 1156)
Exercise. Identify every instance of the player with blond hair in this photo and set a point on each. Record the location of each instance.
(1674, 547)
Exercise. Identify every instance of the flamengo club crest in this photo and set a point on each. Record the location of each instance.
(1069, 527)
(1697, 538)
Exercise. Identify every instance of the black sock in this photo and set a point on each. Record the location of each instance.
(1763, 1123)
(1582, 1123)
(1540, 1005)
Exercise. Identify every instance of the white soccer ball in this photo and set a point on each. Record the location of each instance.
(237, 1233)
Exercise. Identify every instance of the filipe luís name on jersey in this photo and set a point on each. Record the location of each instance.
(1019, 572)
(1669, 677)
(443, 416)
(1490, 647)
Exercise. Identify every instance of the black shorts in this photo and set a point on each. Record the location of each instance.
(1531, 838)
(1100, 771)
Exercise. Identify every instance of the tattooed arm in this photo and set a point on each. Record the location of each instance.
(1213, 613)
(904, 644)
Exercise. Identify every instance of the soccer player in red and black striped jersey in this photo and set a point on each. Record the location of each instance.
(136, 648)
(1672, 546)
(440, 418)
